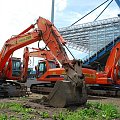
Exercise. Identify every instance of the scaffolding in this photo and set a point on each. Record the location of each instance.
(93, 36)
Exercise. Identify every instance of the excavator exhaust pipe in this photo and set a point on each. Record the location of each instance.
(71, 91)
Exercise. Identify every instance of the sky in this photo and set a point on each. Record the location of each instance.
(17, 15)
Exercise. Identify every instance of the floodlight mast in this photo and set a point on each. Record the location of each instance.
(52, 11)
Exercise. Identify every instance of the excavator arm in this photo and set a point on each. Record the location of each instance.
(42, 53)
(52, 39)
(49, 34)
(56, 43)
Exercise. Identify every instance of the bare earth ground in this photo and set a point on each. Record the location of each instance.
(33, 102)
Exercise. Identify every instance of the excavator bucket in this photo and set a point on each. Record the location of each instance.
(66, 94)
(72, 90)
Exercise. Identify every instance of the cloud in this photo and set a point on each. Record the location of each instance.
(71, 15)
(60, 5)
(18, 15)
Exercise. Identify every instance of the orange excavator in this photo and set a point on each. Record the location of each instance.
(48, 71)
(50, 68)
(105, 82)
(69, 91)
(15, 69)
(11, 72)
(109, 79)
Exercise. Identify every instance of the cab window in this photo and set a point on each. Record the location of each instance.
(42, 67)
(52, 64)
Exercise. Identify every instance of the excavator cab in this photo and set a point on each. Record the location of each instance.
(48, 70)
(45, 65)
(12, 70)
(48, 73)
(16, 67)
(41, 68)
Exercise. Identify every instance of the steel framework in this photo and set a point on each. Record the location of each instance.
(93, 36)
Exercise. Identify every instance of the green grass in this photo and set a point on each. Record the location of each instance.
(92, 111)
(44, 114)
(16, 107)
(3, 117)
(18, 110)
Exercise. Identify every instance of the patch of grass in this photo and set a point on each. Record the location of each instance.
(60, 116)
(105, 111)
(44, 114)
(15, 107)
(12, 117)
(93, 111)
(3, 117)
(4, 105)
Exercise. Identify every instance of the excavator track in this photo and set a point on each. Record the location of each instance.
(42, 88)
(108, 91)
(12, 89)
(104, 90)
